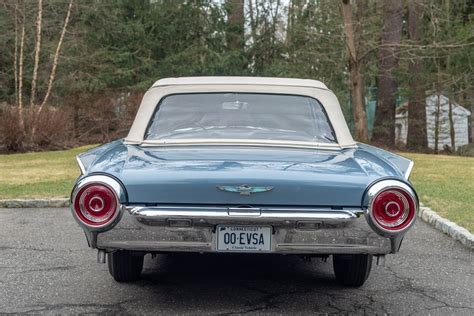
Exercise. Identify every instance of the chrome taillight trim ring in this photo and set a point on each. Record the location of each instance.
(376, 189)
(111, 184)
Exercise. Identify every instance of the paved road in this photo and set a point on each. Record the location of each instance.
(45, 266)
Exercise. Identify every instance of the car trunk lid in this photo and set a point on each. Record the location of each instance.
(218, 175)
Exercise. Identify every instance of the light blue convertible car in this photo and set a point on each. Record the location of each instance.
(243, 165)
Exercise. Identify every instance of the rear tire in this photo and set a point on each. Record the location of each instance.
(352, 270)
(124, 266)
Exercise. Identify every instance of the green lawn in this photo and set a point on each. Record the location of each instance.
(39, 175)
(445, 183)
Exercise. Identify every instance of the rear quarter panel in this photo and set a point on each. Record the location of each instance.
(401, 165)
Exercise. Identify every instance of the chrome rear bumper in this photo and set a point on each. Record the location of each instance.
(242, 215)
(192, 229)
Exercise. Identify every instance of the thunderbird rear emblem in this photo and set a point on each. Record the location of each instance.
(244, 189)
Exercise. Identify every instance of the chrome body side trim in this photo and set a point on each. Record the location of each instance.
(241, 142)
(409, 169)
(112, 184)
(223, 215)
(81, 165)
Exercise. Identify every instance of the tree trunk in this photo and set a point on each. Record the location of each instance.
(252, 18)
(357, 97)
(235, 31)
(437, 123)
(469, 99)
(275, 22)
(290, 22)
(356, 78)
(389, 56)
(37, 53)
(452, 132)
(21, 121)
(417, 136)
(15, 57)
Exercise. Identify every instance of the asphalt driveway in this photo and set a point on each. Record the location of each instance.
(45, 266)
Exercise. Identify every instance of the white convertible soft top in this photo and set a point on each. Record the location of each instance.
(304, 87)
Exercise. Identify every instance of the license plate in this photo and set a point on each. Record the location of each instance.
(244, 238)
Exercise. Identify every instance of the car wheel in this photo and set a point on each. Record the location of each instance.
(352, 270)
(124, 266)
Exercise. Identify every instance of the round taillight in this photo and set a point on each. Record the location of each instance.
(393, 209)
(96, 204)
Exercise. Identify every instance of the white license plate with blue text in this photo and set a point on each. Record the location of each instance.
(244, 238)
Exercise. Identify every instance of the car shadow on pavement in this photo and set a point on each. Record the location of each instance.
(234, 267)
(237, 282)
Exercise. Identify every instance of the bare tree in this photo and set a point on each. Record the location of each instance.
(417, 136)
(356, 77)
(37, 52)
(54, 65)
(389, 57)
(21, 121)
(15, 56)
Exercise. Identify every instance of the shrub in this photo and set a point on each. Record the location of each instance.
(84, 119)
(53, 129)
(466, 150)
(11, 136)
(105, 116)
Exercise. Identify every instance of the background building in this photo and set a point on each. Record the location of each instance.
(438, 122)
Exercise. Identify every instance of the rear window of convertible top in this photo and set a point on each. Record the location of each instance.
(253, 116)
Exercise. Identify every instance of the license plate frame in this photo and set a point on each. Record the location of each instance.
(252, 243)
